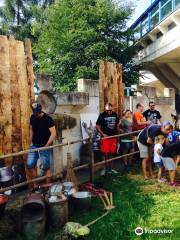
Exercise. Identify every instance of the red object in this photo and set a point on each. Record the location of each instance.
(96, 191)
(108, 145)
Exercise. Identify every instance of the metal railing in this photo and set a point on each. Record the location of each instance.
(157, 12)
(91, 165)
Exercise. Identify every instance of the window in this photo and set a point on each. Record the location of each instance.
(145, 26)
(166, 8)
(177, 3)
(154, 16)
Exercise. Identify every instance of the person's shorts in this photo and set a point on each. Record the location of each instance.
(145, 151)
(159, 164)
(125, 145)
(108, 145)
(169, 163)
(43, 155)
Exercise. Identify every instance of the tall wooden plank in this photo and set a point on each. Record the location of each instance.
(24, 94)
(15, 96)
(5, 99)
(29, 67)
(110, 86)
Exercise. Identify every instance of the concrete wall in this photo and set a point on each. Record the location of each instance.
(85, 100)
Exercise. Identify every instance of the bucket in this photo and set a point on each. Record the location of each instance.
(3, 201)
(34, 217)
(57, 211)
(6, 177)
(82, 200)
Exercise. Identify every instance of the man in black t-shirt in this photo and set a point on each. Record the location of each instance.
(42, 134)
(152, 114)
(108, 125)
(107, 122)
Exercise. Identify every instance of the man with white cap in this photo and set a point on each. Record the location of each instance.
(42, 134)
(108, 125)
(145, 140)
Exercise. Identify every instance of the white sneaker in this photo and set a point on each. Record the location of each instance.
(162, 180)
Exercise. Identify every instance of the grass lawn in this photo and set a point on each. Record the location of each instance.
(139, 203)
(147, 204)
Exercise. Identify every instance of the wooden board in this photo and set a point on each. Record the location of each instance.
(5, 99)
(25, 98)
(15, 96)
(110, 86)
(29, 67)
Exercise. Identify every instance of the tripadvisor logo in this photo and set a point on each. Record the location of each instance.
(139, 231)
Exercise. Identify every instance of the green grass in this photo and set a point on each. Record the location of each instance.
(138, 204)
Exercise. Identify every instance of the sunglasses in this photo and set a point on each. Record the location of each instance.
(152, 105)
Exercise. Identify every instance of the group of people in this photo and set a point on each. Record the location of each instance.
(154, 138)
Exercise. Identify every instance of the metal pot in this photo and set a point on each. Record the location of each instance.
(3, 200)
(34, 217)
(67, 186)
(6, 181)
(56, 189)
(82, 200)
(6, 171)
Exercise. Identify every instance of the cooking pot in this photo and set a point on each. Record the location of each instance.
(82, 200)
(67, 186)
(6, 171)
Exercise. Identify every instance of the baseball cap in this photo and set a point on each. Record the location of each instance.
(166, 123)
(36, 107)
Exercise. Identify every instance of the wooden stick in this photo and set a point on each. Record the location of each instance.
(106, 197)
(24, 183)
(101, 197)
(59, 145)
(111, 198)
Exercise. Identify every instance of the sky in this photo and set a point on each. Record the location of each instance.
(140, 7)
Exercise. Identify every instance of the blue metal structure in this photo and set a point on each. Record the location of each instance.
(156, 12)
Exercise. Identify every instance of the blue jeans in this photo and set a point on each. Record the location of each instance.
(43, 155)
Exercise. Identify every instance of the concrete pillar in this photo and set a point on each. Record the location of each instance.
(177, 101)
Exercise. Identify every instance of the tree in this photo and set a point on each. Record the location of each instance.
(18, 16)
(79, 33)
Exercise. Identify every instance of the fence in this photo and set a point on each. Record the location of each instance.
(91, 165)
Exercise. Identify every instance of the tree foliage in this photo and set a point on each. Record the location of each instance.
(18, 17)
(80, 33)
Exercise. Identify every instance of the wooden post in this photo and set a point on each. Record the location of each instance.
(24, 94)
(92, 166)
(15, 96)
(110, 86)
(29, 67)
(5, 100)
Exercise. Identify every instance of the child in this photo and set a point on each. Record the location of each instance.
(158, 147)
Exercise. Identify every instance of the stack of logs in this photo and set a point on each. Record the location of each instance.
(16, 94)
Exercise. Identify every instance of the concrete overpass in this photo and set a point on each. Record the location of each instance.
(158, 39)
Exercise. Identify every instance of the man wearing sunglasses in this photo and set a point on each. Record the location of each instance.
(152, 114)
(108, 125)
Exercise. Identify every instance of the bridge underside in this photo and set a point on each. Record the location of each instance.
(161, 55)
